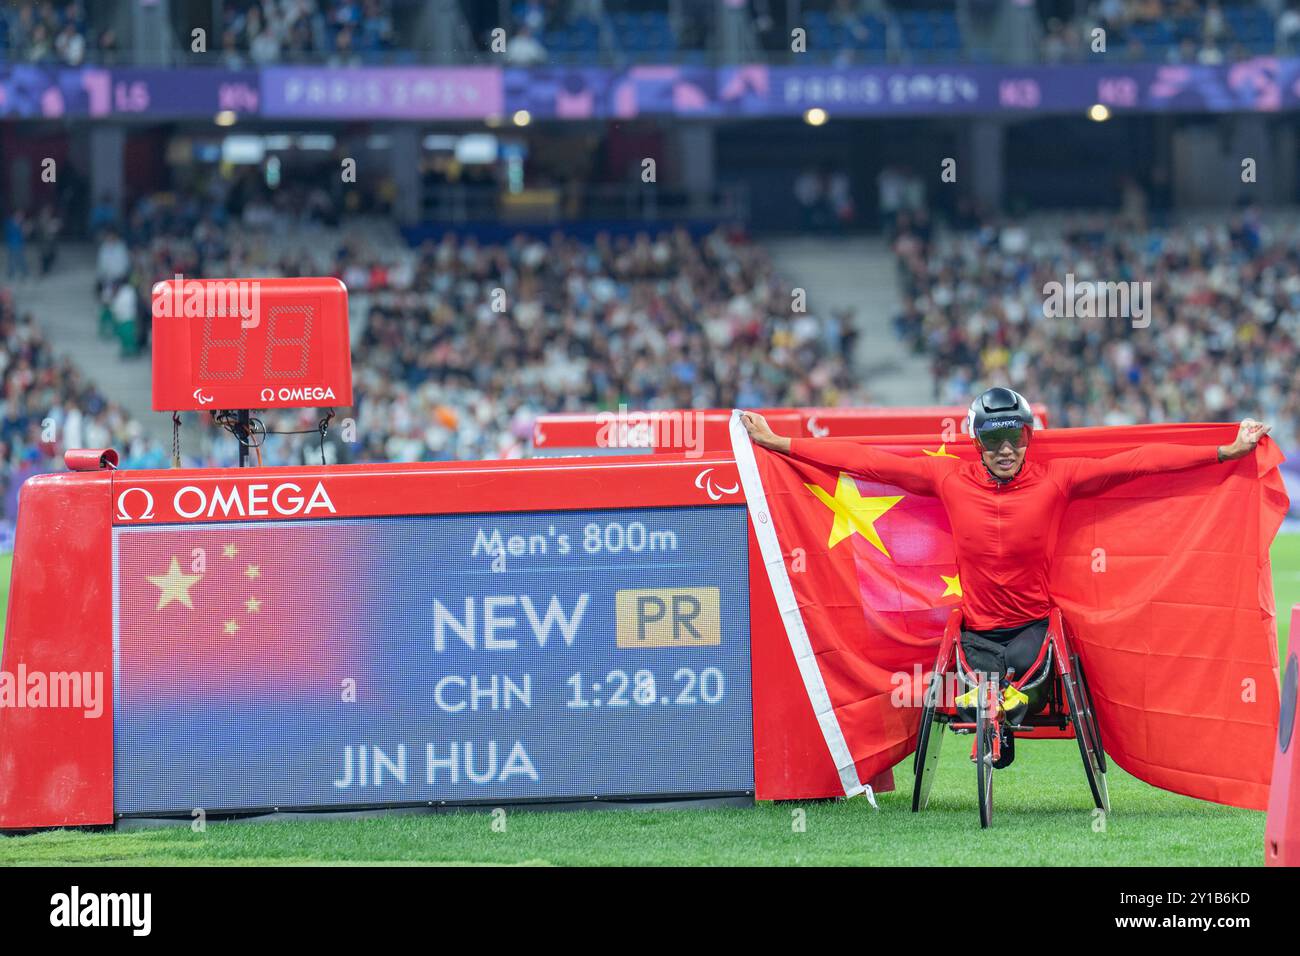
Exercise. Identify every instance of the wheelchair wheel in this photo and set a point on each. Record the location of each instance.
(1081, 716)
(929, 740)
(1093, 727)
(985, 728)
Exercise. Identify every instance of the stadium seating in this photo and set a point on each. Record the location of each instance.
(826, 36)
(931, 35)
(1224, 341)
(646, 37)
(654, 321)
(576, 41)
(349, 31)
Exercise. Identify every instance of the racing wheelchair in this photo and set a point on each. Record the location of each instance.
(1052, 695)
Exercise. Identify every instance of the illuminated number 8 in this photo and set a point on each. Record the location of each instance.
(239, 342)
(303, 341)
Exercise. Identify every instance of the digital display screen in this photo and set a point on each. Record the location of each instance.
(405, 660)
(250, 343)
(279, 350)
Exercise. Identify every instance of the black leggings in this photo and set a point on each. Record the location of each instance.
(1003, 649)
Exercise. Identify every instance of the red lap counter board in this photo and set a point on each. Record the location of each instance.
(250, 343)
(702, 430)
(402, 635)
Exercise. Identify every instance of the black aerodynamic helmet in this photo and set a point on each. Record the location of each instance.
(998, 415)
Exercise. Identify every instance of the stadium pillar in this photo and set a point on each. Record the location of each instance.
(404, 168)
(1283, 138)
(1250, 139)
(732, 30)
(442, 24)
(151, 40)
(984, 161)
(695, 156)
(1208, 162)
(107, 175)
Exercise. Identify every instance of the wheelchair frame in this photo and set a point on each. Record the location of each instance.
(1069, 704)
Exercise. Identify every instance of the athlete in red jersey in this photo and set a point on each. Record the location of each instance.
(1004, 511)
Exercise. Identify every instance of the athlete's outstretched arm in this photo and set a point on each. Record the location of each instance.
(1084, 476)
(917, 475)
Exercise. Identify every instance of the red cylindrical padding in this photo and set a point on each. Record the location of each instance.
(90, 459)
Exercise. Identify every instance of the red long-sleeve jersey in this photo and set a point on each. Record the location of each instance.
(1004, 533)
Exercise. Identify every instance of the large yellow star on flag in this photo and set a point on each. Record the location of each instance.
(943, 452)
(853, 512)
(953, 585)
(174, 585)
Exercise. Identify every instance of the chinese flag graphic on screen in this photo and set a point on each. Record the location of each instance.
(231, 612)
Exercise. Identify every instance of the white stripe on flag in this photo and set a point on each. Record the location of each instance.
(770, 548)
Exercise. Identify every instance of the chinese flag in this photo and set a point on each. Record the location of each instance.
(1164, 583)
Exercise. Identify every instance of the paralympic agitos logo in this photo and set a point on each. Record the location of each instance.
(256, 500)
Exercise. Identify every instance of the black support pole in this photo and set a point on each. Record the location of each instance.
(242, 435)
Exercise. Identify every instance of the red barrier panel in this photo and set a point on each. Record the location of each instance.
(705, 430)
(57, 762)
(1282, 830)
(948, 422)
(648, 433)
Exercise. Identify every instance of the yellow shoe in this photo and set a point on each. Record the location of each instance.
(1013, 697)
(969, 700)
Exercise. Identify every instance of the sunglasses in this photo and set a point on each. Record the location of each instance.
(991, 439)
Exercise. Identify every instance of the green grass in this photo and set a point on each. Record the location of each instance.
(1043, 816)
(1285, 555)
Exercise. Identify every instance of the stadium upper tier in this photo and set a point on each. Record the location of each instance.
(238, 34)
(1217, 337)
(458, 345)
(672, 321)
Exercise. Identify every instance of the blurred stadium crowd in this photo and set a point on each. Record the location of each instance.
(48, 405)
(446, 366)
(1224, 334)
(341, 32)
(250, 32)
(461, 344)
(348, 32)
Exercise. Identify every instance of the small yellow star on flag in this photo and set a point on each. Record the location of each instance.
(252, 571)
(231, 627)
(230, 551)
(174, 585)
(253, 605)
(943, 452)
(853, 513)
(953, 583)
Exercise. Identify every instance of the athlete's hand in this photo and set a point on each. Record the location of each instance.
(761, 434)
(1248, 436)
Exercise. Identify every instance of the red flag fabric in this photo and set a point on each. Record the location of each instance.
(1163, 580)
